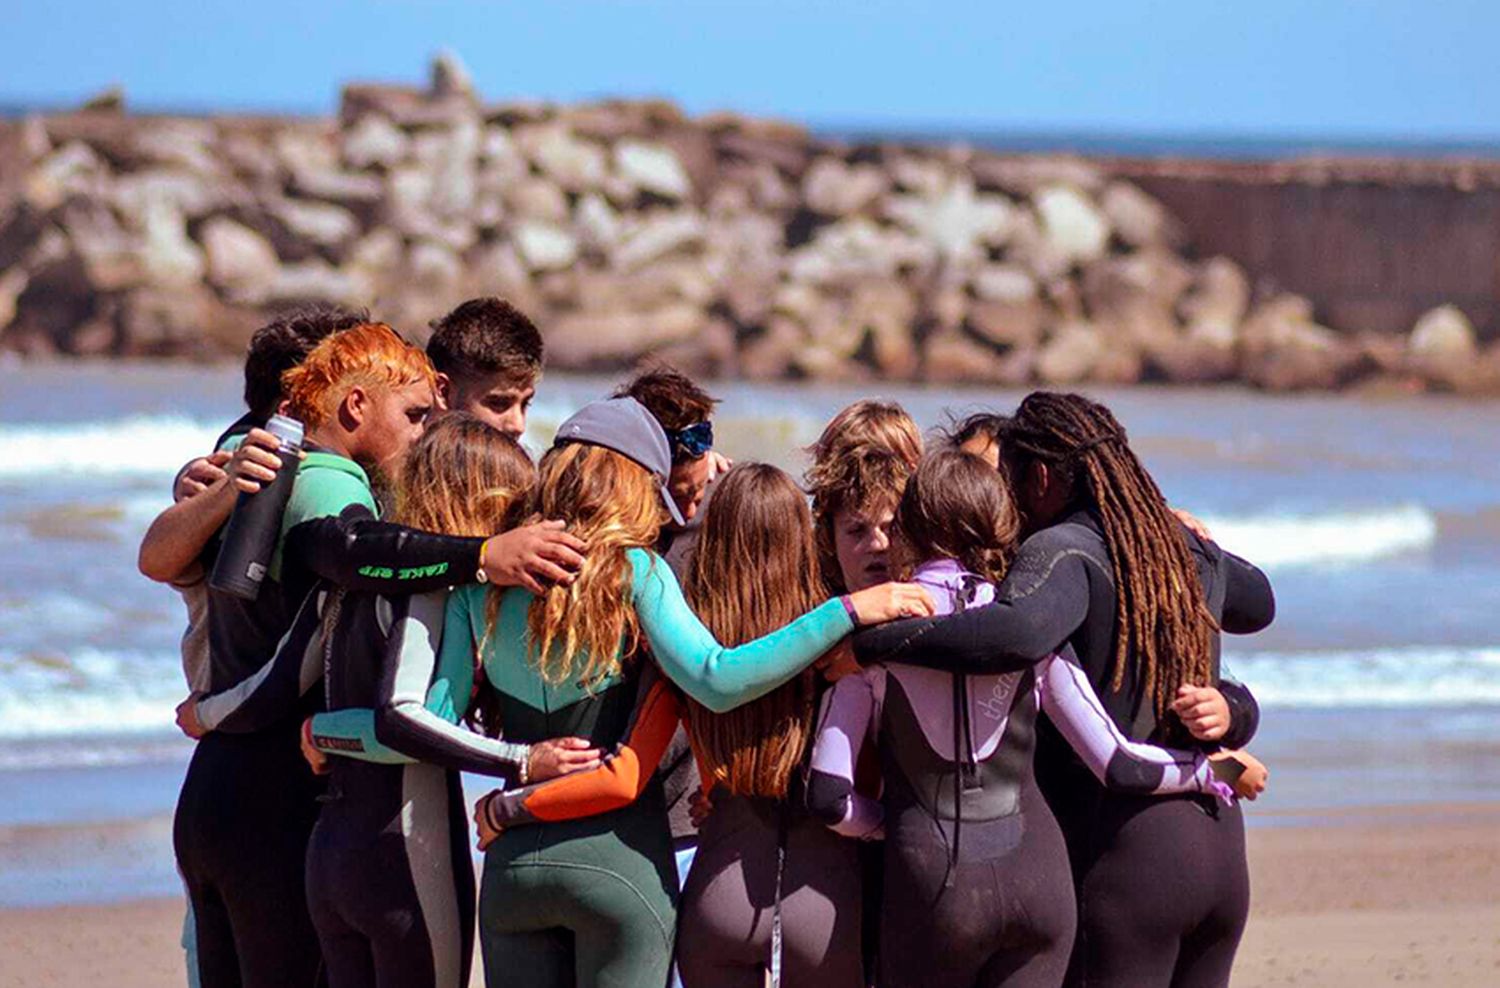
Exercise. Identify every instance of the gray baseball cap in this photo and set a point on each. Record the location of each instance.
(624, 425)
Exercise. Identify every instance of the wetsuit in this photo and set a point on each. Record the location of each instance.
(590, 898)
(1163, 886)
(249, 802)
(977, 881)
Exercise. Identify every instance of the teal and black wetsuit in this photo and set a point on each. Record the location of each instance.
(591, 901)
(249, 801)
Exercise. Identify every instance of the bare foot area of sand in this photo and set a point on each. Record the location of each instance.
(1371, 898)
(1394, 896)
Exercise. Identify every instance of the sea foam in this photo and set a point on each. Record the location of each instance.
(1388, 677)
(136, 446)
(1326, 538)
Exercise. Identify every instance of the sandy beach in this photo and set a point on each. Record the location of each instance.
(1384, 896)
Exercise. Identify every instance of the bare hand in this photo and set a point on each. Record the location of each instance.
(255, 463)
(890, 601)
(1203, 711)
(1252, 775)
(201, 474)
(700, 805)
(316, 760)
(561, 756)
(1193, 524)
(485, 827)
(718, 465)
(532, 556)
(838, 662)
(187, 717)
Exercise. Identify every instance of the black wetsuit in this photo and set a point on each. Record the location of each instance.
(249, 801)
(1163, 887)
(389, 879)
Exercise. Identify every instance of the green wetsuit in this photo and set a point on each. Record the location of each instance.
(591, 901)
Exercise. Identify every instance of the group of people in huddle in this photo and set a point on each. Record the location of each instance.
(941, 714)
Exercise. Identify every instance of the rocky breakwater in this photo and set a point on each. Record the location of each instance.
(731, 246)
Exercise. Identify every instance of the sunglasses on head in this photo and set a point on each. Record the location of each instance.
(692, 442)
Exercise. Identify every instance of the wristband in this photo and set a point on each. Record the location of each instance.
(524, 775)
(480, 576)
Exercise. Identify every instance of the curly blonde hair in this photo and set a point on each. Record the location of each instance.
(861, 461)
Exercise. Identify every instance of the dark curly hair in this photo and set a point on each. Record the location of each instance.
(284, 343)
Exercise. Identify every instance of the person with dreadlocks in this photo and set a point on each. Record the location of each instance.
(1162, 883)
(977, 885)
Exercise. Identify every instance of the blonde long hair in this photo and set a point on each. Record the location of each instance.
(754, 570)
(612, 503)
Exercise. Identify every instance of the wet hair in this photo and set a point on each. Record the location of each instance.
(670, 396)
(464, 478)
(584, 631)
(369, 355)
(860, 462)
(1162, 623)
(956, 507)
(986, 425)
(754, 570)
(484, 337)
(285, 342)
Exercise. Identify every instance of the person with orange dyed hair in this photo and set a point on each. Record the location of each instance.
(249, 802)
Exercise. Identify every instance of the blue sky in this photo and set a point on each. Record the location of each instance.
(1305, 68)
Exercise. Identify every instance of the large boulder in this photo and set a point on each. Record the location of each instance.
(1215, 304)
(1138, 219)
(832, 188)
(951, 357)
(238, 257)
(1071, 354)
(652, 168)
(1071, 224)
(320, 223)
(373, 140)
(544, 247)
(1284, 349)
(956, 220)
(576, 165)
(610, 339)
(1443, 347)
(655, 235)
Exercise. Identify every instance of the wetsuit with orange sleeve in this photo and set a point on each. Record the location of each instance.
(592, 899)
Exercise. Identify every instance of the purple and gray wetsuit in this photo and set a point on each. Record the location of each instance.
(978, 888)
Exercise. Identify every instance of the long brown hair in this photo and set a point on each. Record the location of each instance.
(611, 502)
(956, 507)
(463, 478)
(861, 461)
(1162, 622)
(753, 571)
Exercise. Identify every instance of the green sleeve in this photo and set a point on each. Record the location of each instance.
(351, 731)
(724, 678)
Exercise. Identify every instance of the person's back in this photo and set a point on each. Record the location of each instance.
(1120, 581)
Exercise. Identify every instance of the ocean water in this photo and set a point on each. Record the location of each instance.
(1378, 521)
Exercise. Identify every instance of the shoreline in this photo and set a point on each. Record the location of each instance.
(1372, 896)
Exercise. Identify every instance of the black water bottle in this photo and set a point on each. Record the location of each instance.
(255, 524)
